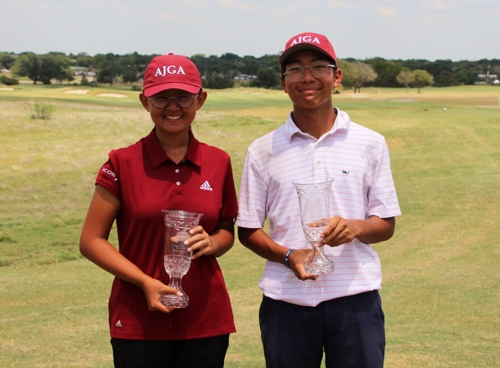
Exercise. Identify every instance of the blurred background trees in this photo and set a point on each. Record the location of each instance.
(229, 70)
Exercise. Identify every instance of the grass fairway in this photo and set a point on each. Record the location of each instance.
(441, 288)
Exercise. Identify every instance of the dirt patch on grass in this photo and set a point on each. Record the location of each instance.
(117, 95)
(77, 91)
(356, 95)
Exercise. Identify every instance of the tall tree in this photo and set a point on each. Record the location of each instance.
(358, 74)
(28, 65)
(55, 66)
(405, 77)
(422, 78)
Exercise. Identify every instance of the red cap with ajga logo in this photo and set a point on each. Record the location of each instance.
(171, 72)
(308, 40)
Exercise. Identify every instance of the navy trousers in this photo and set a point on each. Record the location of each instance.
(349, 330)
(200, 353)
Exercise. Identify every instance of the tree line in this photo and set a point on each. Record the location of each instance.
(223, 71)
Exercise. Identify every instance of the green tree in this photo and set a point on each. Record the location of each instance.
(54, 66)
(446, 79)
(130, 76)
(387, 71)
(42, 68)
(28, 65)
(358, 74)
(466, 76)
(216, 81)
(347, 73)
(405, 77)
(6, 60)
(108, 71)
(422, 78)
(266, 78)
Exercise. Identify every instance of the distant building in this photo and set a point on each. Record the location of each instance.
(487, 78)
(82, 71)
(244, 77)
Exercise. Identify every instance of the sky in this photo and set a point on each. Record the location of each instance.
(391, 29)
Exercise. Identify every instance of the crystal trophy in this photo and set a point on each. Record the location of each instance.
(176, 257)
(314, 200)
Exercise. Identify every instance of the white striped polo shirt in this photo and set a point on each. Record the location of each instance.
(357, 158)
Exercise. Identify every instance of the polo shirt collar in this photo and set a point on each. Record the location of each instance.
(157, 155)
(341, 123)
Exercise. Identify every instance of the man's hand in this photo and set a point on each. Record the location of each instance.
(296, 262)
(339, 231)
(372, 230)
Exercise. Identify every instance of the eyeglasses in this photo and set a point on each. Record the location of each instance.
(318, 69)
(183, 101)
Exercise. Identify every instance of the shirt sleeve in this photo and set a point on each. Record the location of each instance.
(383, 200)
(108, 177)
(252, 201)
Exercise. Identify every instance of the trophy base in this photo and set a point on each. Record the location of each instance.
(320, 268)
(175, 301)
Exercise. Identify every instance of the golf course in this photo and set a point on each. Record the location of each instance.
(441, 288)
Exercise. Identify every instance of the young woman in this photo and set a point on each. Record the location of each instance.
(168, 169)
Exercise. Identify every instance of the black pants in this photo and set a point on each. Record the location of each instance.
(198, 353)
(349, 330)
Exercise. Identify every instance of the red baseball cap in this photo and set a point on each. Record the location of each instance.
(171, 72)
(308, 40)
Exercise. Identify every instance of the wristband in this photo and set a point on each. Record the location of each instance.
(287, 257)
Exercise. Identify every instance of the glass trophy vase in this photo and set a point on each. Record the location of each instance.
(176, 257)
(314, 200)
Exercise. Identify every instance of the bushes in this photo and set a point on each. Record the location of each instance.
(8, 81)
(41, 110)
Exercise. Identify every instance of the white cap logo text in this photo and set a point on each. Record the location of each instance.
(171, 69)
(308, 39)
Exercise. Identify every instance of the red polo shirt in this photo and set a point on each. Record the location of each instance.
(145, 181)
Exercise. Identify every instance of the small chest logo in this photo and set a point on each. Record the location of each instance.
(206, 186)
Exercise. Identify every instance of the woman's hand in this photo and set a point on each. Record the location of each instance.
(200, 243)
(154, 289)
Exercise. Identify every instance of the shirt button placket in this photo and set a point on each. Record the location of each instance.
(178, 181)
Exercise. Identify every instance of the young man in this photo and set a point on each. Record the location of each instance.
(302, 315)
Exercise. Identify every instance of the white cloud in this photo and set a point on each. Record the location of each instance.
(437, 5)
(386, 11)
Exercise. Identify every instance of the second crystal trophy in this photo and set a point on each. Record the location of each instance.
(314, 200)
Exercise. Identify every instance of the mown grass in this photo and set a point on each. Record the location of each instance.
(441, 286)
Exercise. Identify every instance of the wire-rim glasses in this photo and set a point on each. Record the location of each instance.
(183, 100)
(318, 69)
